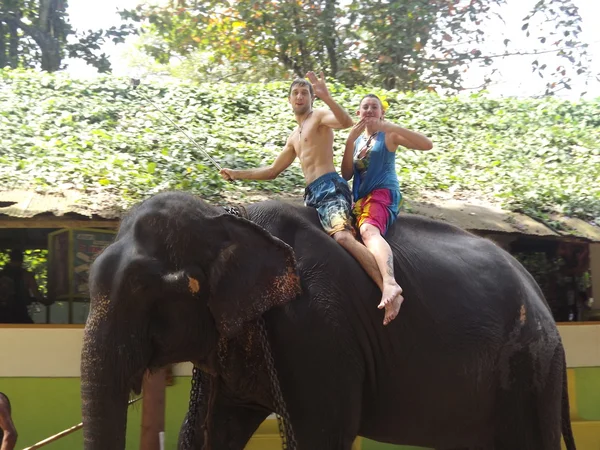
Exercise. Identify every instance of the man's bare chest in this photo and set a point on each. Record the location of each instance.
(312, 136)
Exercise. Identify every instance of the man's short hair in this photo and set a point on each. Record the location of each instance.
(302, 82)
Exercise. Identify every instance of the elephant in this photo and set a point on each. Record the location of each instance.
(474, 360)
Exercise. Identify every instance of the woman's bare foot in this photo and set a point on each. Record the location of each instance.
(392, 309)
(391, 300)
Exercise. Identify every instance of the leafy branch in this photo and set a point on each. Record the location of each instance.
(476, 54)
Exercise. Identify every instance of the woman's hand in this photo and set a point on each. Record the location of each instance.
(347, 164)
(357, 129)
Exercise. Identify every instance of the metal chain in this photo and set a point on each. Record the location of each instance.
(238, 211)
(195, 393)
(283, 418)
(286, 432)
(232, 210)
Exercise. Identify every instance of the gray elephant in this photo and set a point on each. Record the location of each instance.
(473, 361)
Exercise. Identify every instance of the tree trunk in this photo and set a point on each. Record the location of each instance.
(301, 60)
(13, 46)
(43, 35)
(47, 13)
(153, 409)
(291, 64)
(49, 46)
(389, 83)
(51, 58)
(329, 38)
(3, 60)
(48, 42)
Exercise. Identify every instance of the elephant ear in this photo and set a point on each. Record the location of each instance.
(253, 272)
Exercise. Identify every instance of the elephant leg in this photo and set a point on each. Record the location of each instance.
(327, 422)
(323, 395)
(517, 428)
(467, 448)
(325, 438)
(232, 427)
(549, 403)
(528, 418)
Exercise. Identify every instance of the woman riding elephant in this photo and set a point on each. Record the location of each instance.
(474, 361)
(371, 161)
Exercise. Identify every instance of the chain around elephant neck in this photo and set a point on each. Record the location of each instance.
(288, 439)
(238, 211)
(190, 431)
(286, 431)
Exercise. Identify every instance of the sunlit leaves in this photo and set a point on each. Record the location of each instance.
(34, 261)
(406, 45)
(101, 137)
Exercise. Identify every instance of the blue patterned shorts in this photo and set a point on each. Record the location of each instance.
(331, 197)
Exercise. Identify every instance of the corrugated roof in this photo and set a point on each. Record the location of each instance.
(27, 204)
(580, 228)
(468, 214)
(481, 215)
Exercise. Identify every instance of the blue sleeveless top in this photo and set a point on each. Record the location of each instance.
(377, 170)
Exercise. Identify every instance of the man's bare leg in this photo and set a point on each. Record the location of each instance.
(391, 298)
(391, 292)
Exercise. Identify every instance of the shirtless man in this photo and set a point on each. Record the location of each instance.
(8, 433)
(326, 191)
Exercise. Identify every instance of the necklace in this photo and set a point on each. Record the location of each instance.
(363, 151)
(302, 124)
(370, 138)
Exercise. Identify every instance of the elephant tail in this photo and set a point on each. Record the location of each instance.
(567, 430)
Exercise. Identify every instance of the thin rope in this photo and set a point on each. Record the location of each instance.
(68, 431)
(135, 83)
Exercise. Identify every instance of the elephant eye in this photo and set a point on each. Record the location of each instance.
(187, 281)
(193, 284)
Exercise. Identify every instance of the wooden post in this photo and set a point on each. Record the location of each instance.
(153, 409)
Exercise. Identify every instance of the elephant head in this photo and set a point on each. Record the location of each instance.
(179, 276)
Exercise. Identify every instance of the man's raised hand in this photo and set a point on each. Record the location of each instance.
(318, 84)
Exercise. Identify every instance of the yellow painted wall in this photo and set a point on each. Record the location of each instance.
(39, 362)
(55, 350)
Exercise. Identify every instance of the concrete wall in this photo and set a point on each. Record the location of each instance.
(40, 372)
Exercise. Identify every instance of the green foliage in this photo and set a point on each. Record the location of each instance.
(406, 45)
(103, 138)
(37, 34)
(35, 261)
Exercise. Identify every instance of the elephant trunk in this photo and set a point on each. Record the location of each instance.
(104, 415)
(105, 387)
